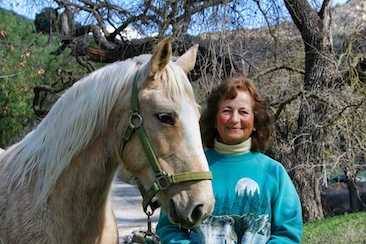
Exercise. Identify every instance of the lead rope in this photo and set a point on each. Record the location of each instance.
(150, 237)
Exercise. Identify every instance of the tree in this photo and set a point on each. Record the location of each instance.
(47, 21)
(110, 26)
(314, 120)
(320, 71)
(24, 67)
(16, 66)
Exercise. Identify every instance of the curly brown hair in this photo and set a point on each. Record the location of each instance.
(261, 137)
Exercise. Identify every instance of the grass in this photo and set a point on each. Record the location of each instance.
(348, 228)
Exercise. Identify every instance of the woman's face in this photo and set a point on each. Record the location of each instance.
(235, 119)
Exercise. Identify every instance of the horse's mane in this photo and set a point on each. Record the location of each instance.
(77, 118)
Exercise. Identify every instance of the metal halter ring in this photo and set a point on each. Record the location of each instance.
(135, 115)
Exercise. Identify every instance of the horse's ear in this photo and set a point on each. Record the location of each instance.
(161, 55)
(188, 59)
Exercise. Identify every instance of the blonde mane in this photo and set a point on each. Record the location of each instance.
(74, 121)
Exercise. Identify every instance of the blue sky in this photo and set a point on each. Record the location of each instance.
(21, 7)
(335, 2)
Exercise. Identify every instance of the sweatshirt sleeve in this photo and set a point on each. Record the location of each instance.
(171, 233)
(287, 213)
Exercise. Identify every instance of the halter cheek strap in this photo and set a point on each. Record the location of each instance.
(162, 180)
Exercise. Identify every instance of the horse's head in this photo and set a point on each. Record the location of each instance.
(169, 116)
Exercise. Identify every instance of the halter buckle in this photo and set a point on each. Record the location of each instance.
(163, 181)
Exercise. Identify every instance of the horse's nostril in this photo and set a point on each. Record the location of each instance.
(197, 213)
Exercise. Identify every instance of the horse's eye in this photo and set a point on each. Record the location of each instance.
(166, 118)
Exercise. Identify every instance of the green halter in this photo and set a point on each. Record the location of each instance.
(162, 179)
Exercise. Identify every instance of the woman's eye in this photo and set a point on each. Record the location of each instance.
(166, 118)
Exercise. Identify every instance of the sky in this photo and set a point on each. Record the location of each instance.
(335, 2)
(20, 7)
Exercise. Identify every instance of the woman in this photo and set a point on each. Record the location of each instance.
(256, 201)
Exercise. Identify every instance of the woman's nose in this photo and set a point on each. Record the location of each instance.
(235, 117)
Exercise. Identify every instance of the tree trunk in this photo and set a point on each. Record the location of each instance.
(353, 197)
(319, 70)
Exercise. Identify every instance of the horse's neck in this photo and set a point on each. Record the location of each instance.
(82, 190)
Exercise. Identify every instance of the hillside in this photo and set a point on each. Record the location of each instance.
(349, 17)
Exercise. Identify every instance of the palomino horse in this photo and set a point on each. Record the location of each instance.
(55, 183)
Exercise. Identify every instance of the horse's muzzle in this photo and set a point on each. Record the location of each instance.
(190, 217)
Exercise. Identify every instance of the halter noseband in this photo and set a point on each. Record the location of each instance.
(162, 180)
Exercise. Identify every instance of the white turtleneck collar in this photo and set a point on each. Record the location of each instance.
(237, 149)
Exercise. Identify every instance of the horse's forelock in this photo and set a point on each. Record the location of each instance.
(178, 85)
(76, 118)
(141, 59)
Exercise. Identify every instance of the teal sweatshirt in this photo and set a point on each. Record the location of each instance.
(256, 202)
